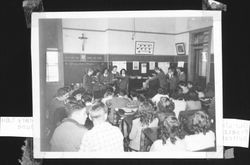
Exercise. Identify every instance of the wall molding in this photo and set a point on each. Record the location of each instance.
(132, 31)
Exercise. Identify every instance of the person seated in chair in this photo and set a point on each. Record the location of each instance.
(103, 137)
(161, 92)
(135, 100)
(68, 135)
(170, 136)
(117, 102)
(200, 134)
(145, 118)
(180, 103)
(199, 91)
(192, 100)
(209, 91)
(184, 87)
(164, 107)
(56, 109)
(108, 95)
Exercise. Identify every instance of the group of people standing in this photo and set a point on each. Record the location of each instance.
(97, 82)
(168, 81)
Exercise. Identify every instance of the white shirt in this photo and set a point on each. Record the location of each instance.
(180, 105)
(105, 99)
(179, 146)
(157, 98)
(200, 141)
(103, 138)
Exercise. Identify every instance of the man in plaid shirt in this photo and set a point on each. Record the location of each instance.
(103, 137)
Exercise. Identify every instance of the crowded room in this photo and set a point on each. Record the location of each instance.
(129, 84)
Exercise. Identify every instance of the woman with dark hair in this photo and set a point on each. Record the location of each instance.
(145, 118)
(165, 107)
(200, 135)
(181, 74)
(170, 136)
(106, 78)
(161, 77)
(192, 100)
(123, 80)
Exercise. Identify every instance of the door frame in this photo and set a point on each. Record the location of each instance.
(191, 61)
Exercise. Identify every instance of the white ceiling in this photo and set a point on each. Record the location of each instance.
(159, 25)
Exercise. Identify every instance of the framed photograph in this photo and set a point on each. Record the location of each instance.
(144, 47)
(75, 134)
(180, 48)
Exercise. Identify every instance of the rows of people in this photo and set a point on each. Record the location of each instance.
(114, 121)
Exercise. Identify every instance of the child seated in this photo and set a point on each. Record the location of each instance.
(200, 134)
(145, 118)
(170, 138)
(160, 93)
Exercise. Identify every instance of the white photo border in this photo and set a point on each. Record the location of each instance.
(122, 14)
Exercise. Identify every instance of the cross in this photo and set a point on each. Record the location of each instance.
(82, 38)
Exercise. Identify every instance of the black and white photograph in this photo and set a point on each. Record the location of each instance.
(127, 84)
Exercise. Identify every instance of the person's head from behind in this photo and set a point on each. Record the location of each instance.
(78, 94)
(76, 112)
(169, 129)
(62, 94)
(123, 72)
(87, 98)
(192, 96)
(164, 101)
(146, 113)
(178, 94)
(200, 122)
(90, 71)
(98, 112)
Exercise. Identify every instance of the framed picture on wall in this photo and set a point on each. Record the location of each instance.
(180, 48)
(144, 47)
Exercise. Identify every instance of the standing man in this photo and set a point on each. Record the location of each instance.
(172, 80)
(161, 77)
(181, 74)
(114, 78)
(88, 81)
(103, 137)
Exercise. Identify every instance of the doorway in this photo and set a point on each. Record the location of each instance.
(199, 59)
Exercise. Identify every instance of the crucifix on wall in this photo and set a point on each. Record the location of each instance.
(83, 38)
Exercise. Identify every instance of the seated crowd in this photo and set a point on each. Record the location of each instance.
(116, 121)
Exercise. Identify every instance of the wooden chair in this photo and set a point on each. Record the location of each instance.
(148, 136)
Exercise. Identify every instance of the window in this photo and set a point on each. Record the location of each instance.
(52, 71)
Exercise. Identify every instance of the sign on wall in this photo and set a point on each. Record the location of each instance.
(144, 47)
